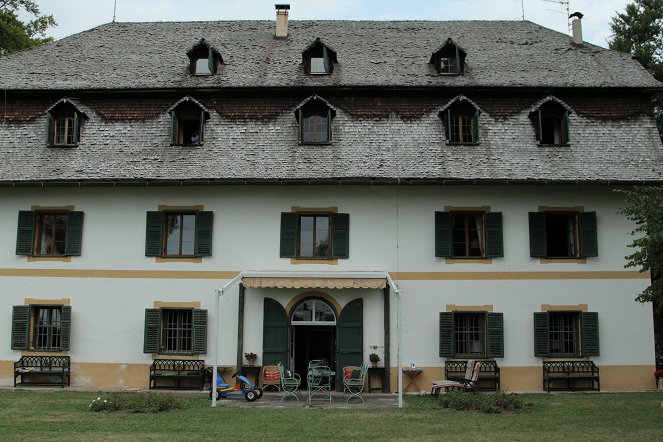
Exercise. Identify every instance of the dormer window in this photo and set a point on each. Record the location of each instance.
(203, 59)
(188, 118)
(551, 121)
(461, 122)
(64, 124)
(314, 117)
(319, 58)
(449, 59)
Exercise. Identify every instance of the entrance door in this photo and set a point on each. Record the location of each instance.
(313, 342)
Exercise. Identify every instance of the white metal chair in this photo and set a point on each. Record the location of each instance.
(353, 387)
(290, 383)
(319, 383)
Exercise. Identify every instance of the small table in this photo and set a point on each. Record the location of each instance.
(252, 370)
(380, 372)
(411, 374)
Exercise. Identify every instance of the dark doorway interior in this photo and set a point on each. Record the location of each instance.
(313, 342)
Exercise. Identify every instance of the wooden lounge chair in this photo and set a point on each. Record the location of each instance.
(270, 376)
(466, 384)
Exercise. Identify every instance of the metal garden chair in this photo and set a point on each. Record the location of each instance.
(353, 387)
(319, 383)
(290, 383)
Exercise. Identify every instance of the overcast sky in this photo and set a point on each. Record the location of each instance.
(74, 16)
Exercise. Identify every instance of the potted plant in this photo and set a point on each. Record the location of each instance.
(374, 358)
(251, 358)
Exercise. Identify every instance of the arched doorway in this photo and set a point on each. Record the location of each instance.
(312, 334)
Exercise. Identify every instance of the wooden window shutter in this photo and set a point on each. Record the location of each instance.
(20, 327)
(340, 235)
(204, 224)
(329, 126)
(449, 119)
(153, 234)
(200, 331)
(565, 128)
(590, 334)
(475, 127)
(539, 127)
(301, 125)
(74, 239)
(201, 126)
(494, 235)
(442, 234)
(210, 62)
(537, 235)
(458, 67)
(25, 233)
(495, 335)
(152, 339)
(327, 62)
(50, 130)
(589, 246)
(65, 328)
(446, 334)
(77, 127)
(173, 128)
(289, 241)
(541, 334)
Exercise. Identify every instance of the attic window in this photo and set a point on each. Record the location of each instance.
(63, 125)
(188, 122)
(449, 59)
(203, 59)
(319, 59)
(551, 122)
(314, 119)
(461, 123)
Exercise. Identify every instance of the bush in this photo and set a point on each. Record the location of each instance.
(136, 402)
(485, 402)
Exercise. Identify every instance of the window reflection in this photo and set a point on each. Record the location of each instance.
(313, 311)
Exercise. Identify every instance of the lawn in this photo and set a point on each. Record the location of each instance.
(64, 415)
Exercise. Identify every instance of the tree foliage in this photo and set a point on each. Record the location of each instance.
(15, 34)
(639, 31)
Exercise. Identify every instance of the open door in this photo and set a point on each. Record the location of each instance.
(349, 338)
(274, 334)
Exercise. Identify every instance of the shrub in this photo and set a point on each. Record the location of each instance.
(136, 402)
(485, 402)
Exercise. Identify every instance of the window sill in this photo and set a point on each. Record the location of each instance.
(186, 145)
(562, 260)
(461, 144)
(296, 261)
(565, 358)
(194, 259)
(477, 260)
(449, 74)
(553, 145)
(43, 352)
(49, 258)
(313, 143)
(62, 145)
(175, 356)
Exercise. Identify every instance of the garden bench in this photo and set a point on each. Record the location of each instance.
(571, 373)
(489, 374)
(43, 371)
(177, 374)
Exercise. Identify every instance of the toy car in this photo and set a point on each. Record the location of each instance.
(242, 388)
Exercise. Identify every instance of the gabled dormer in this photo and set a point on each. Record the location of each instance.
(203, 59)
(314, 116)
(460, 117)
(318, 58)
(550, 117)
(188, 118)
(63, 127)
(449, 59)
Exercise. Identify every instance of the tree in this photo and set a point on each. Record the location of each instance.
(15, 34)
(639, 31)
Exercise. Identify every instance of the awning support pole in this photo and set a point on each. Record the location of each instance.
(399, 339)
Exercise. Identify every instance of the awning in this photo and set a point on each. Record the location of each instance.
(314, 283)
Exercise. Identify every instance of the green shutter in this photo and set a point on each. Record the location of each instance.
(539, 127)
(495, 335)
(589, 246)
(475, 127)
(25, 233)
(20, 327)
(275, 326)
(340, 235)
(77, 127)
(565, 128)
(74, 238)
(537, 235)
(288, 235)
(210, 64)
(152, 338)
(494, 235)
(65, 328)
(173, 128)
(541, 334)
(204, 224)
(153, 234)
(590, 334)
(200, 331)
(50, 130)
(446, 334)
(442, 234)
(201, 127)
(349, 337)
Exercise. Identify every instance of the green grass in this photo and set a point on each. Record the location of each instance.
(64, 415)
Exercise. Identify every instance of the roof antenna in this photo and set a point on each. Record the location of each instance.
(563, 3)
(114, 9)
(522, 6)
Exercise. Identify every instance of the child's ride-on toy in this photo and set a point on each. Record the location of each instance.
(242, 388)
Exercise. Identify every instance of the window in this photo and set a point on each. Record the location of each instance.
(203, 59)
(175, 331)
(551, 121)
(449, 59)
(319, 59)
(63, 124)
(41, 327)
(188, 122)
(563, 234)
(566, 334)
(461, 123)
(313, 236)
(471, 334)
(49, 233)
(313, 311)
(315, 122)
(179, 234)
(468, 234)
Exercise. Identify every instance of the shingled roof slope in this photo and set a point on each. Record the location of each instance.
(370, 53)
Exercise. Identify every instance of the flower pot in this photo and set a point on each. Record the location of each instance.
(374, 364)
(252, 362)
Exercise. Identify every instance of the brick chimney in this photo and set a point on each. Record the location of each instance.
(282, 21)
(576, 28)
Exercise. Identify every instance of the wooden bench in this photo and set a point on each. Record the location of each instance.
(570, 373)
(489, 374)
(43, 371)
(177, 374)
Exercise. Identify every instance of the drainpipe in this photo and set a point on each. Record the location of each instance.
(217, 298)
(399, 339)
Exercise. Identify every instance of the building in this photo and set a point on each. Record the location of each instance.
(145, 165)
